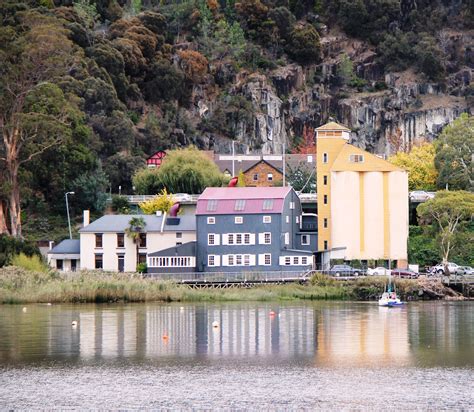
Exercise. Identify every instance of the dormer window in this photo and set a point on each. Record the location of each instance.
(356, 158)
(268, 204)
(239, 204)
(212, 205)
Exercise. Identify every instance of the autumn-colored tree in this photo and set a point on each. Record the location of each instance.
(193, 64)
(241, 179)
(161, 202)
(419, 163)
(308, 142)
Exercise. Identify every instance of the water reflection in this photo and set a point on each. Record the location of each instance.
(320, 334)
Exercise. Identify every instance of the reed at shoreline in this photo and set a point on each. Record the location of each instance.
(19, 285)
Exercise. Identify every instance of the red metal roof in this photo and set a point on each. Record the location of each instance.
(224, 199)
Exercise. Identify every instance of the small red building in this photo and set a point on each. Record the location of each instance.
(156, 159)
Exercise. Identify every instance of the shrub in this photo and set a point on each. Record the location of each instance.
(304, 44)
(33, 263)
(10, 246)
(120, 204)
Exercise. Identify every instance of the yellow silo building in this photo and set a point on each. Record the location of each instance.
(362, 202)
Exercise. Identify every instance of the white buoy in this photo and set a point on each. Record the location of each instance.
(215, 324)
(74, 323)
(24, 309)
(49, 304)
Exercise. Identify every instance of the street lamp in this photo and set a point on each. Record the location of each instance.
(67, 210)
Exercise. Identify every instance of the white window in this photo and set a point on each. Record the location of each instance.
(239, 204)
(325, 157)
(238, 220)
(267, 204)
(304, 260)
(238, 260)
(247, 238)
(231, 260)
(213, 239)
(268, 259)
(246, 260)
(297, 219)
(267, 219)
(296, 260)
(270, 177)
(356, 158)
(287, 260)
(287, 238)
(287, 219)
(231, 238)
(310, 158)
(211, 220)
(212, 205)
(238, 238)
(292, 205)
(267, 238)
(211, 260)
(305, 239)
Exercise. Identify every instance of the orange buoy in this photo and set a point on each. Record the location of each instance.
(272, 313)
(165, 337)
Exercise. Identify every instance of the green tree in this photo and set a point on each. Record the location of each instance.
(449, 212)
(454, 154)
(301, 177)
(183, 171)
(90, 191)
(33, 113)
(135, 228)
(419, 163)
(304, 45)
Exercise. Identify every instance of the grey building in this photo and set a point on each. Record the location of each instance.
(252, 229)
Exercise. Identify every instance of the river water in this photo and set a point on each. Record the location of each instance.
(304, 356)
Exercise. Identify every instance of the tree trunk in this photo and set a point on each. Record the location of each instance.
(14, 200)
(3, 218)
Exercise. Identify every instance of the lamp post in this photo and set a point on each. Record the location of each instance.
(68, 218)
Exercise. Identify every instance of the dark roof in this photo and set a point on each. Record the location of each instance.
(118, 223)
(67, 246)
(186, 249)
(269, 162)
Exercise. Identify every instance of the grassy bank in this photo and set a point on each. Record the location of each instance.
(22, 286)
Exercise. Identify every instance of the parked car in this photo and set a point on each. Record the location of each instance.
(421, 196)
(465, 270)
(439, 269)
(378, 271)
(404, 273)
(344, 270)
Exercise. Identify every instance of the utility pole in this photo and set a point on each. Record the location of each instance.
(68, 218)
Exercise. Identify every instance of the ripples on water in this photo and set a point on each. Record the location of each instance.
(307, 356)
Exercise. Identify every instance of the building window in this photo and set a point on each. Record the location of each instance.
(238, 260)
(325, 199)
(211, 260)
(268, 259)
(325, 223)
(296, 260)
(179, 235)
(268, 204)
(98, 240)
(287, 238)
(238, 220)
(304, 260)
(211, 239)
(287, 219)
(231, 260)
(246, 260)
(255, 177)
(238, 238)
(325, 245)
(179, 243)
(59, 264)
(287, 260)
(230, 239)
(305, 239)
(356, 158)
(239, 204)
(211, 220)
(325, 157)
(297, 219)
(98, 262)
(142, 239)
(142, 258)
(247, 238)
(310, 158)
(212, 205)
(292, 205)
(267, 238)
(325, 180)
(270, 177)
(267, 219)
(120, 240)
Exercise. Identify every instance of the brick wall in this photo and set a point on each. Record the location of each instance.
(262, 169)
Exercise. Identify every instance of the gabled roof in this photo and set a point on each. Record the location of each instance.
(224, 199)
(118, 224)
(272, 164)
(332, 126)
(186, 249)
(371, 162)
(67, 246)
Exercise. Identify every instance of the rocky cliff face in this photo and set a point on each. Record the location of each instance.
(398, 110)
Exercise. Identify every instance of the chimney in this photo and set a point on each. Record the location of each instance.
(86, 217)
(51, 244)
(159, 213)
